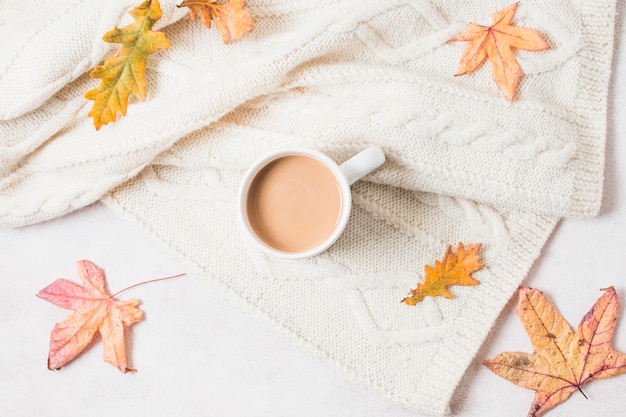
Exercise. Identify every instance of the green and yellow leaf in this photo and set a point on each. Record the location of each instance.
(123, 73)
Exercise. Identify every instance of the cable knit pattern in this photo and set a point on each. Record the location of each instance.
(463, 164)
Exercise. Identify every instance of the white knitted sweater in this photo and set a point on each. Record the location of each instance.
(463, 164)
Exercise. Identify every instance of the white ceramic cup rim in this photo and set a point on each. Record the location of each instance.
(272, 156)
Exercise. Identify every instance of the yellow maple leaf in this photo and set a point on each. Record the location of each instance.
(563, 360)
(497, 43)
(123, 73)
(230, 18)
(454, 269)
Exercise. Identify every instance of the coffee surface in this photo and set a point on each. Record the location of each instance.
(294, 203)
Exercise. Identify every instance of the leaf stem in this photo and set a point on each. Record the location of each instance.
(581, 391)
(148, 282)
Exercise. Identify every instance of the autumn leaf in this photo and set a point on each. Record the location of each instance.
(94, 311)
(498, 43)
(563, 361)
(123, 73)
(230, 18)
(455, 269)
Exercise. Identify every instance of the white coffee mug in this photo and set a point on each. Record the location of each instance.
(295, 202)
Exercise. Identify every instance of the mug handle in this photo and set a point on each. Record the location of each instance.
(362, 164)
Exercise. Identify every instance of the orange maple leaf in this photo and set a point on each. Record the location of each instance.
(94, 311)
(230, 18)
(123, 73)
(454, 269)
(498, 43)
(563, 360)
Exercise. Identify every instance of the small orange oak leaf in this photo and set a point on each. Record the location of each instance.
(94, 311)
(454, 269)
(230, 18)
(123, 73)
(498, 43)
(563, 360)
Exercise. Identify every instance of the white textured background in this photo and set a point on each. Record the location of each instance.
(199, 356)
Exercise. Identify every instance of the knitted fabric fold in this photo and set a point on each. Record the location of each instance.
(463, 163)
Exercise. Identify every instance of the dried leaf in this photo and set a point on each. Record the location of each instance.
(123, 73)
(454, 269)
(563, 361)
(94, 311)
(498, 43)
(230, 18)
